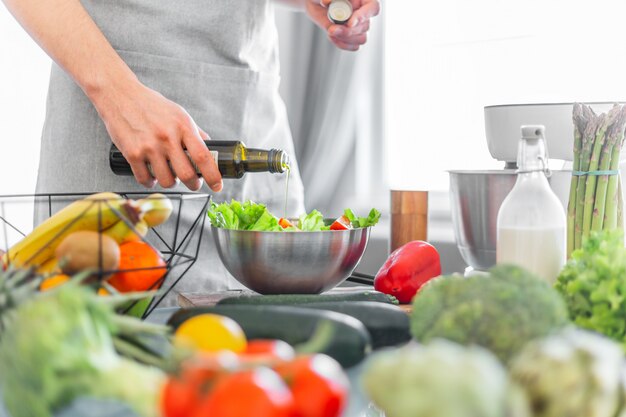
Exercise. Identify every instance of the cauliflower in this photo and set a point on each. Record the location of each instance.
(574, 373)
(441, 379)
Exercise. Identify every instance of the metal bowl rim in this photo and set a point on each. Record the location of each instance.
(495, 171)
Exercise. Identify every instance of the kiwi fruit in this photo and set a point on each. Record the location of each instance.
(88, 250)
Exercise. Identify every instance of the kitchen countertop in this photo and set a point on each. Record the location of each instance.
(358, 404)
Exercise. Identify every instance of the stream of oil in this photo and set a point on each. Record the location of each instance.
(288, 168)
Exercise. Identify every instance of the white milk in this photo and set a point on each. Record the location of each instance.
(540, 250)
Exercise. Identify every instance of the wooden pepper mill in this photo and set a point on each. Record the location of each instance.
(409, 217)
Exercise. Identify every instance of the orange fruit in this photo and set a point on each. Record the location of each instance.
(141, 268)
(53, 281)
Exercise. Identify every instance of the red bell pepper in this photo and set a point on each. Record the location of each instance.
(407, 269)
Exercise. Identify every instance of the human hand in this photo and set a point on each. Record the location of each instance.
(150, 129)
(354, 33)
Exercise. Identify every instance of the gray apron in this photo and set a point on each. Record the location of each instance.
(216, 58)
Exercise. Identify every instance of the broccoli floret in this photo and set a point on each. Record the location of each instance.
(500, 311)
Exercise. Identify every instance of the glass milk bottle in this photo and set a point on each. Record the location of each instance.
(531, 228)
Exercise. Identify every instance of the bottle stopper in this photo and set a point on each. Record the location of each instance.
(340, 11)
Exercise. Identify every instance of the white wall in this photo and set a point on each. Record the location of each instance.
(24, 71)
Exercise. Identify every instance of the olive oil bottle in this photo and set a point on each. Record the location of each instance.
(233, 159)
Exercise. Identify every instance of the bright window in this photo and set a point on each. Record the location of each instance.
(447, 59)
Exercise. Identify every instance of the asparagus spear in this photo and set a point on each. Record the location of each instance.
(614, 185)
(590, 189)
(600, 197)
(580, 123)
(587, 144)
(620, 205)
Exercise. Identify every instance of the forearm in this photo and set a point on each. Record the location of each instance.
(67, 33)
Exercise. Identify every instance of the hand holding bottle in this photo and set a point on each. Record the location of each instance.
(151, 130)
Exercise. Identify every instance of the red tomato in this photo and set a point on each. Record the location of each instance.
(284, 223)
(271, 348)
(319, 385)
(257, 392)
(342, 223)
(407, 269)
(182, 393)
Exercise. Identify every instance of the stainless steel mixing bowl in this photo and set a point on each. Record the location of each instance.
(290, 262)
(475, 198)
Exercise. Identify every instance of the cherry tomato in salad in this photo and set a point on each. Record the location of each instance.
(342, 223)
(257, 392)
(284, 223)
(319, 385)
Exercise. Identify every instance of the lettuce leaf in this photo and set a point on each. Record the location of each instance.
(249, 215)
(312, 222)
(372, 218)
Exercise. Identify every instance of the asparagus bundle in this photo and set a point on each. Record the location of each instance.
(595, 192)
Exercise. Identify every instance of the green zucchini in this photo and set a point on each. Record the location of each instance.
(296, 299)
(387, 324)
(349, 345)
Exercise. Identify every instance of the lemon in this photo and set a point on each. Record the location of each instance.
(211, 333)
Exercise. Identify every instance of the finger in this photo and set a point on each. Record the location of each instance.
(184, 169)
(344, 45)
(162, 171)
(357, 40)
(366, 12)
(202, 157)
(204, 135)
(339, 31)
(325, 3)
(354, 40)
(142, 174)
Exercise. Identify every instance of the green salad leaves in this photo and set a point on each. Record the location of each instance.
(593, 284)
(249, 215)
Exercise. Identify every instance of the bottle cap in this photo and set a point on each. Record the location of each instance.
(340, 11)
(533, 132)
(279, 161)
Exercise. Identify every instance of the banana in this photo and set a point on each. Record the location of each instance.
(122, 232)
(49, 267)
(95, 212)
(156, 209)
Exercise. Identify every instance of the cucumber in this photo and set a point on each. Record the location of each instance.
(296, 299)
(387, 324)
(349, 345)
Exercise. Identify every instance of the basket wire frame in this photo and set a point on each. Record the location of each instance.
(177, 250)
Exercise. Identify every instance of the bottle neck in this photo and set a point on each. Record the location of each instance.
(523, 177)
(261, 160)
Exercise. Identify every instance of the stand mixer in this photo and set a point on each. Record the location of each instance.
(476, 196)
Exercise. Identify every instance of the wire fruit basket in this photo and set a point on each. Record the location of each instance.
(177, 240)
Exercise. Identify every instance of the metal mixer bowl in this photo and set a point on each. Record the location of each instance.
(476, 197)
(290, 262)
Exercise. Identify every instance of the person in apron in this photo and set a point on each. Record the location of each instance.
(155, 77)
